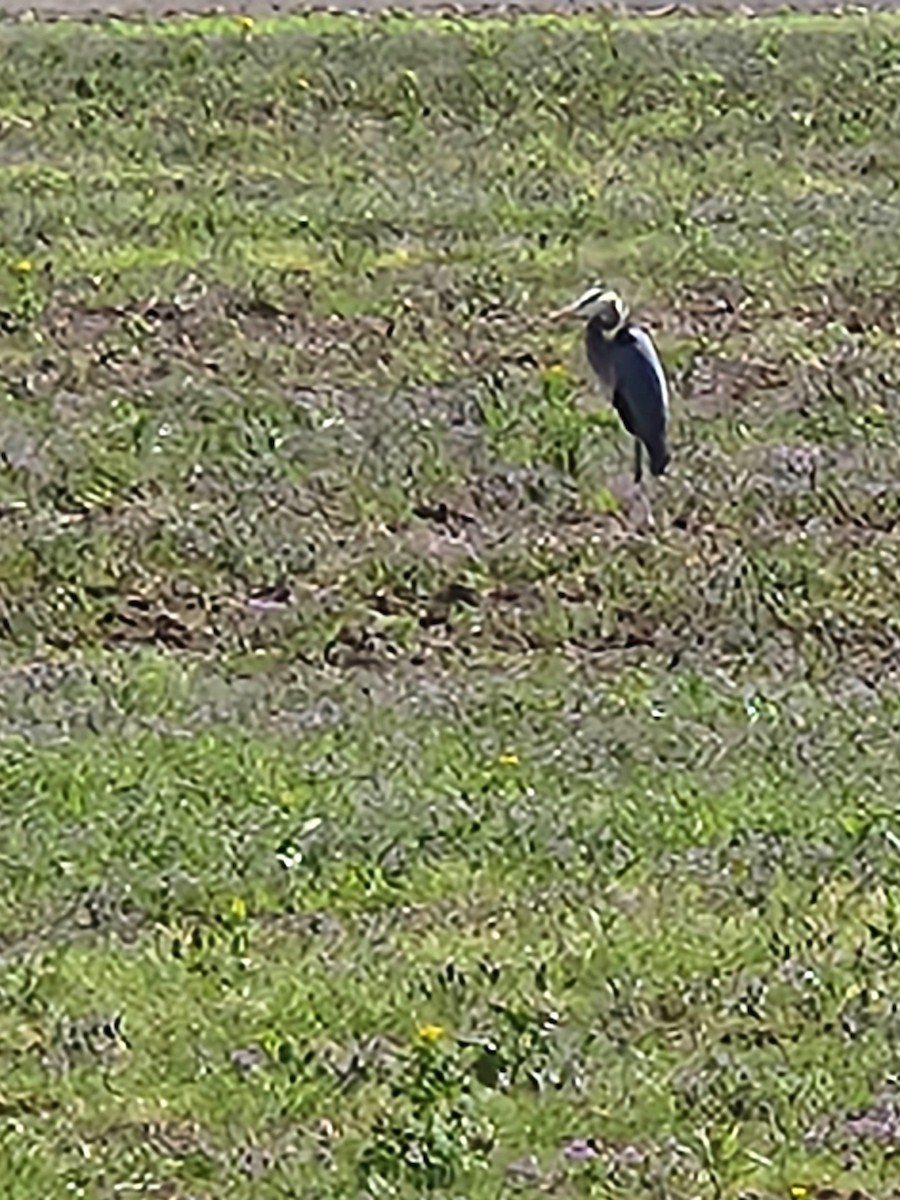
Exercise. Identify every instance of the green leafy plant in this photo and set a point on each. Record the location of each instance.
(432, 1133)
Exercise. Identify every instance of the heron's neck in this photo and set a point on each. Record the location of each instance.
(596, 330)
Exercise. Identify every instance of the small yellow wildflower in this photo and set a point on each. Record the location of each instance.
(239, 909)
(508, 760)
(245, 23)
(798, 1191)
(431, 1033)
(23, 266)
(555, 371)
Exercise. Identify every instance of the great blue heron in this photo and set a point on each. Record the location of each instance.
(625, 361)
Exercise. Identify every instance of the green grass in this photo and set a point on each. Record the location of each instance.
(385, 808)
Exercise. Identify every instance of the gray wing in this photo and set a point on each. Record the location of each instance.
(641, 394)
(640, 380)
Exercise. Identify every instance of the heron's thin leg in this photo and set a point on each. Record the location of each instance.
(638, 462)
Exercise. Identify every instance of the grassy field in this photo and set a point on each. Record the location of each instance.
(386, 807)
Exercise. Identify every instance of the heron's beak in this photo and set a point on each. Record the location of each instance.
(564, 314)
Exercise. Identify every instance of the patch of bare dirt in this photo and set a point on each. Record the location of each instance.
(716, 386)
(709, 311)
(850, 304)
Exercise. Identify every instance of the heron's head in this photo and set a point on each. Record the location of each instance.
(598, 302)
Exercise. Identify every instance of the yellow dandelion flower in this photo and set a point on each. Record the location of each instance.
(508, 760)
(431, 1033)
(245, 23)
(798, 1191)
(23, 266)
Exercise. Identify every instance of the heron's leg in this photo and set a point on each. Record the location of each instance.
(638, 462)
